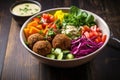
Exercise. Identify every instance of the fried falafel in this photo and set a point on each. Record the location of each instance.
(61, 41)
(34, 38)
(42, 47)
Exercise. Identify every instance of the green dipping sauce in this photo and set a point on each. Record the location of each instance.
(26, 9)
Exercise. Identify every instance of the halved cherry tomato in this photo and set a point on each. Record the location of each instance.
(45, 16)
(98, 29)
(91, 34)
(98, 39)
(51, 18)
(44, 25)
(54, 26)
(87, 34)
(94, 33)
(104, 38)
(36, 19)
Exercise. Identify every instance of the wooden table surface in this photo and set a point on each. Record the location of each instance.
(17, 64)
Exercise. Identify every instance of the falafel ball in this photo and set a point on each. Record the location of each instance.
(61, 41)
(42, 47)
(34, 38)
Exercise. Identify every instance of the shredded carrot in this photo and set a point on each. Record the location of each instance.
(39, 27)
(33, 30)
(33, 23)
(26, 31)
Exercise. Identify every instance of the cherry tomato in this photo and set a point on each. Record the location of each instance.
(45, 16)
(91, 34)
(98, 39)
(104, 38)
(98, 29)
(95, 33)
(87, 34)
(44, 25)
(51, 18)
(36, 19)
(54, 26)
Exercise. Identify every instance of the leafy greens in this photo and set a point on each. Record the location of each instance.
(77, 17)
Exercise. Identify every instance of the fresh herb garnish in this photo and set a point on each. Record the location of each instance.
(58, 24)
(51, 32)
(41, 32)
(26, 43)
(25, 9)
(27, 5)
(77, 18)
(36, 9)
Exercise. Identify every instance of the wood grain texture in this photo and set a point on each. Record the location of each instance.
(5, 21)
(16, 63)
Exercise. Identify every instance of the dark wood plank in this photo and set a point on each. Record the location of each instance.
(5, 21)
(18, 64)
(76, 73)
(106, 65)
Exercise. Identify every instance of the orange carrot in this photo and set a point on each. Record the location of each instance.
(39, 27)
(33, 30)
(33, 23)
(45, 30)
(26, 31)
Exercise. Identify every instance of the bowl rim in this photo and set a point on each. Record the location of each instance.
(24, 1)
(75, 59)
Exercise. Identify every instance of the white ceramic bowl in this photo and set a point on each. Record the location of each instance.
(67, 63)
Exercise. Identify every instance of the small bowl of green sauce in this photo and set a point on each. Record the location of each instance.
(22, 10)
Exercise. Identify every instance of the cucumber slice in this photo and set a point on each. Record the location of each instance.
(69, 56)
(52, 51)
(51, 56)
(66, 51)
(57, 51)
(60, 56)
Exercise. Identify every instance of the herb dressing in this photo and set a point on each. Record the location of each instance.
(26, 9)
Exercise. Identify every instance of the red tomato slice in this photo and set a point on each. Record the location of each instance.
(87, 34)
(44, 25)
(98, 39)
(54, 26)
(104, 38)
(91, 34)
(45, 15)
(51, 18)
(95, 33)
(86, 28)
(98, 29)
(36, 19)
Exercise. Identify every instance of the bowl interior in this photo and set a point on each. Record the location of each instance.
(100, 22)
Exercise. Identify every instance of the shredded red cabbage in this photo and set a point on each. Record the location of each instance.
(83, 46)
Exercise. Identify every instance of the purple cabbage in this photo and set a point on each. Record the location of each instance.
(83, 46)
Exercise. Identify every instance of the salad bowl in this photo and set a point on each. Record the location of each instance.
(72, 62)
